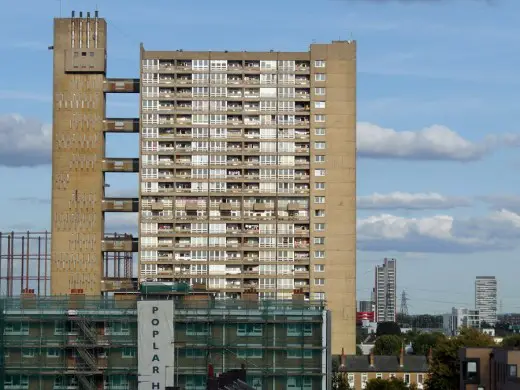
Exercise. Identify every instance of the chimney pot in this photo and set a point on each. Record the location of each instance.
(73, 13)
(372, 358)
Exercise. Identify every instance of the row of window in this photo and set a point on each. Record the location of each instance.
(364, 378)
(223, 64)
(126, 352)
(201, 105)
(62, 328)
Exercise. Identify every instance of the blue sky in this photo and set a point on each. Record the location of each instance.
(438, 135)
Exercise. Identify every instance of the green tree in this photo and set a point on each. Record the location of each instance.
(386, 384)
(422, 342)
(444, 367)
(339, 382)
(389, 345)
(388, 328)
(511, 341)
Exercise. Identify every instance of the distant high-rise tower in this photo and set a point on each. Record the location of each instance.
(385, 290)
(486, 298)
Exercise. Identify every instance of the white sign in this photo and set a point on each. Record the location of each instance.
(155, 344)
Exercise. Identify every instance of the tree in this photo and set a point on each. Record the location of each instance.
(511, 341)
(339, 382)
(444, 367)
(388, 328)
(386, 384)
(422, 342)
(389, 345)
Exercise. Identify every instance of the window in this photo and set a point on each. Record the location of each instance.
(296, 352)
(320, 172)
(299, 329)
(250, 353)
(53, 353)
(319, 254)
(420, 378)
(319, 91)
(351, 379)
(319, 186)
(319, 227)
(319, 104)
(407, 379)
(364, 378)
(379, 375)
(319, 240)
(16, 328)
(319, 64)
(118, 329)
(392, 375)
(197, 329)
(319, 199)
(319, 213)
(320, 77)
(28, 352)
(319, 158)
(128, 352)
(319, 282)
(319, 131)
(299, 383)
(470, 371)
(16, 381)
(249, 330)
(319, 296)
(319, 268)
(512, 370)
(193, 352)
(255, 382)
(319, 118)
(320, 145)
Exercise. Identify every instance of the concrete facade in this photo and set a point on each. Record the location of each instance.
(77, 155)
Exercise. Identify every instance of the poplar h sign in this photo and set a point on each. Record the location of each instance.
(155, 344)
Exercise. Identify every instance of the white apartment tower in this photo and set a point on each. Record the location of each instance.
(486, 298)
(248, 177)
(385, 291)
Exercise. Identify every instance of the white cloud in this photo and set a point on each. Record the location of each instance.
(410, 201)
(24, 142)
(436, 142)
(439, 234)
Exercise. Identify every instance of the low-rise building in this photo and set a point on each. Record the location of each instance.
(360, 369)
(76, 342)
(489, 369)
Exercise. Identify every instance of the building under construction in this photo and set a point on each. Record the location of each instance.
(78, 342)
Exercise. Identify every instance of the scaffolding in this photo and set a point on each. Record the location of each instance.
(25, 263)
(83, 343)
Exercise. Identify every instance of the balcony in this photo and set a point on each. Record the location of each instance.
(119, 244)
(120, 204)
(120, 165)
(121, 125)
(121, 86)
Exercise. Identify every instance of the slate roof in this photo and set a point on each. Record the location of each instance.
(390, 364)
